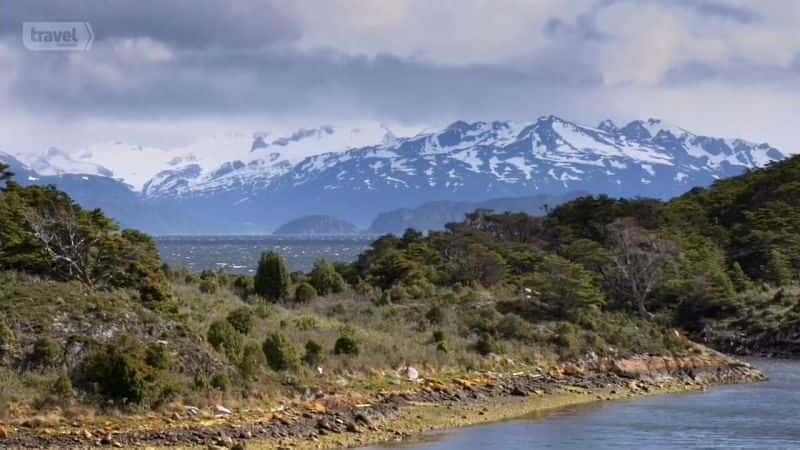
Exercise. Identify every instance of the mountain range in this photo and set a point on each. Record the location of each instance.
(251, 183)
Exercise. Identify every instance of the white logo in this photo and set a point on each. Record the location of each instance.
(57, 36)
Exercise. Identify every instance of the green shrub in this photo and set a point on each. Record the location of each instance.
(244, 286)
(221, 382)
(567, 341)
(62, 388)
(242, 319)
(225, 339)
(512, 326)
(487, 344)
(313, 355)
(252, 361)
(117, 373)
(8, 342)
(156, 294)
(325, 279)
(280, 353)
(157, 356)
(46, 353)
(208, 286)
(435, 315)
(304, 293)
(306, 323)
(346, 345)
(438, 336)
(272, 277)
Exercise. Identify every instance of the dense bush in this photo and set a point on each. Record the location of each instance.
(280, 352)
(252, 361)
(346, 345)
(313, 355)
(325, 279)
(46, 353)
(242, 319)
(304, 293)
(272, 277)
(118, 373)
(221, 382)
(487, 345)
(224, 338)
(158, 356)
(8, 342)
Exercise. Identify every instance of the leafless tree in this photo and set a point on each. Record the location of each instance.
(639, 261)
(71, 246)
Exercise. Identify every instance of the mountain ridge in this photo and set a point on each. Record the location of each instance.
(465, 161)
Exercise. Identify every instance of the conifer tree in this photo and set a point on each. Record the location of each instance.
(272, 277)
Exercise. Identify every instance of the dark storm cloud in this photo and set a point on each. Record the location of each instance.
(288, 83)
(177, 58)
(191, 24)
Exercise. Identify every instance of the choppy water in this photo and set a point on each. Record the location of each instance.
(239, 254)
(743, 417)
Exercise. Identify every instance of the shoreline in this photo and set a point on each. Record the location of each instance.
(426, 405)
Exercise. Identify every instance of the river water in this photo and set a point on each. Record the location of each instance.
(745, 417)
(239, 254)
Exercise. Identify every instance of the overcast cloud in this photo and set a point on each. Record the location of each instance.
(162, 72)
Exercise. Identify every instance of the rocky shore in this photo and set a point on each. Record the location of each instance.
(336, 421)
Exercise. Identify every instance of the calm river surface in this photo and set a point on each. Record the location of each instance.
(759, 416)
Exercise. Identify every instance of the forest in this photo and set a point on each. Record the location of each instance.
(90, 317)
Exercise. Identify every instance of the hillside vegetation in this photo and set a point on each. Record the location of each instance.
(90, 319)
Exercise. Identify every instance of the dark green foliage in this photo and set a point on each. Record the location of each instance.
(117, 372)
(280, 352)
(325, 279)
(156, 294)
(438, 336)
(741, 282)
(242, 319)
(394, 268)
(8, 342)
(477, 263)
(208, 285)
(560, 289)
(62, 390)
(778, 270)
(346, 345)
(512, 326)
(43, 231)
(304, 293)
(46, 353)
(252, 361)
(244, 286)
(225, 339)
(221, 382)
(272, 277)
(487, 344)
(158, 357)
(435, 315)
(313, 355)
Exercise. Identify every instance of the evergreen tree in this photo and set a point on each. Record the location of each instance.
(779, 269)
(741, 282)
(272, 277)
(5, 174)
(325, 279)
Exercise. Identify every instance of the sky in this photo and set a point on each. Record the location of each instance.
(161, 73)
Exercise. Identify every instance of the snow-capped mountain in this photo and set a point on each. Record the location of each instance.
(251, 183)
(207, 163)
(551, 154)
